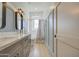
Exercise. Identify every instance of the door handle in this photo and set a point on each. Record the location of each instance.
(55, 36)
(54, 42)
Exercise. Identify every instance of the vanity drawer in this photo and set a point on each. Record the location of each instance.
(11, 49)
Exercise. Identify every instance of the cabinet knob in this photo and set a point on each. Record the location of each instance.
(17, 54)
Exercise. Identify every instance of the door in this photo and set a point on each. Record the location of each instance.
(46, 32)
(55, 34)
(52, 33)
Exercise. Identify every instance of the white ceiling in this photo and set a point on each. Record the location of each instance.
(35, 10)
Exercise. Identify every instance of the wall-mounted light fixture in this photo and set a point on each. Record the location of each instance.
(20, 11)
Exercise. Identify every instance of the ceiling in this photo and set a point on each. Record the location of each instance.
(35, 10)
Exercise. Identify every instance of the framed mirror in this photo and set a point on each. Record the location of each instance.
(10, 19)
(18, 21)
(2, 14)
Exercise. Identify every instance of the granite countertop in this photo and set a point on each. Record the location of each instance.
(8, 40)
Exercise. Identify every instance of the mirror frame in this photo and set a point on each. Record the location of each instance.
(16, 26)
(3, 15)
(21, 21)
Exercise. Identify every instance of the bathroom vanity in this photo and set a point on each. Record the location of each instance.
(15, 46)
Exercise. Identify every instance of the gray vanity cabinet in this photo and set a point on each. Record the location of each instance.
(18, 49)
(27, 46)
